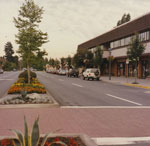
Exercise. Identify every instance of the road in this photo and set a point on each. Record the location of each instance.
(78, 92)
(6, 80)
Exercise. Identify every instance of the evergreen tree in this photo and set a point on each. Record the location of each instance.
(125, 18)
(9, 52)
(30, 38)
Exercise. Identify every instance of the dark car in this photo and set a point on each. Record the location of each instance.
(73, 73)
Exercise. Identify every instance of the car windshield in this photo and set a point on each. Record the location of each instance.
(94, 70)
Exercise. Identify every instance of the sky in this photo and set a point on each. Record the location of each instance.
(69, 22)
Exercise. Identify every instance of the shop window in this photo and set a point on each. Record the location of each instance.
(147, 35)
(112, 44)
(127, 40)
(122, 42)
(142, 36)
(146, 68)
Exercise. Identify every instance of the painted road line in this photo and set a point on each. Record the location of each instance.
(60, 79)
(123, 99)
(148, 92)
(6, 79)
(77, 85)
(106, 107)
(121, 140)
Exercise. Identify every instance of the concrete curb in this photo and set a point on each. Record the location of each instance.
(121, 140)
(137, 85)
(46, 105)
(84, 138)
(9, 106)
(54, 101)
(127, 84)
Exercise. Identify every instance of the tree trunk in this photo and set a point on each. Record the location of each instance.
(28, 70)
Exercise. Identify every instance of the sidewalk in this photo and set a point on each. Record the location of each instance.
(95, 122)
(143, 83)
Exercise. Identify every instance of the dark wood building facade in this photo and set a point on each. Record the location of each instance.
(118, 39)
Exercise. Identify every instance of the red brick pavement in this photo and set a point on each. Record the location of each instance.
(93, 122)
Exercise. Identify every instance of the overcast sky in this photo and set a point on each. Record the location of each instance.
(69, 22)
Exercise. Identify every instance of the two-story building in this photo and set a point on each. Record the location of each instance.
(118, 39)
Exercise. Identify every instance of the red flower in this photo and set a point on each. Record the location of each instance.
(5, 142)
(73, 142)
(56, 139)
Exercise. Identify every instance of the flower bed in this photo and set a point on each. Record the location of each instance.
(34, 87)
(50, 139)
(69, 141)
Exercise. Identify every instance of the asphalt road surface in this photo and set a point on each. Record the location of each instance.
(77, 92)
(6, 80)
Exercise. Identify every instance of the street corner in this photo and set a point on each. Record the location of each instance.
(137, 85)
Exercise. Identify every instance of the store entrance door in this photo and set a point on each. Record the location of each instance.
(121, 69)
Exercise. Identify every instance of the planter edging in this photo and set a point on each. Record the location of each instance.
(84, 138)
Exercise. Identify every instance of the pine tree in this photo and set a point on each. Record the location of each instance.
(9, 52)
(125, 18)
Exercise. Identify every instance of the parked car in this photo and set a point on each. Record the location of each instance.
(62, 72)
(73, 73)
(91, 73)
(1, 71)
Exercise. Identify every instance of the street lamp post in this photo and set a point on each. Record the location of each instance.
(110, 49)
(127, 62)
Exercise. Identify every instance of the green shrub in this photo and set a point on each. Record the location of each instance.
(25, 75)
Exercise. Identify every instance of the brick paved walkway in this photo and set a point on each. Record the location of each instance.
(93, 122)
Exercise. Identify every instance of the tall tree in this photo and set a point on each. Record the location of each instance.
(30, 38)
(69, 59)
(79, 58)
(38, 61)
(9, 52)
(135, 51)
(52, 62)
(1, 62)
(125, 18)
(98, 57)
(62, 60)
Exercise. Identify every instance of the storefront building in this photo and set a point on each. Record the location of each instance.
(118, 39)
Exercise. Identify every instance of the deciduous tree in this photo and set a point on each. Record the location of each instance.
(135, 51)
(30, 38)
(98, 57)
